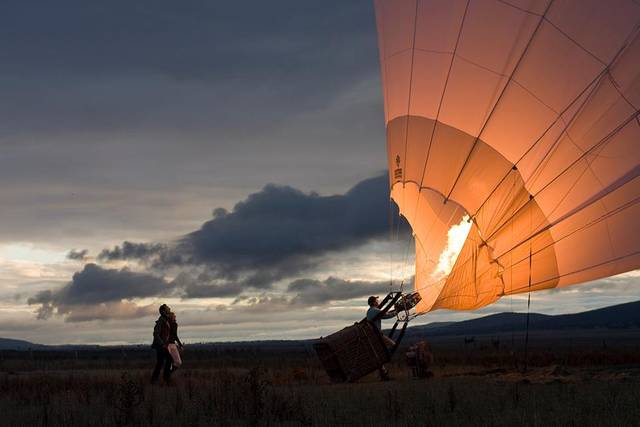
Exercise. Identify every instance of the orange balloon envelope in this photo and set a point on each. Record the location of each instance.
(513, 142)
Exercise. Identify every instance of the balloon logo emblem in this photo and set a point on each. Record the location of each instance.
(397, 174)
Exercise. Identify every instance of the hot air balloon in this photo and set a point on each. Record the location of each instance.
(513, 142)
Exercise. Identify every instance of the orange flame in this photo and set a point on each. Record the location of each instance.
(456, 237)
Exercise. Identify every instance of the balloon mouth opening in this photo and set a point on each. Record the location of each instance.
(456, 236)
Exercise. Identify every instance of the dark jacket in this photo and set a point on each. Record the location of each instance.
(161, 333)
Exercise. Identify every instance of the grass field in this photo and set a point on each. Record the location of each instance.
(479, 384)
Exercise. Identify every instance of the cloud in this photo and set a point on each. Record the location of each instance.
(78, 254)
(121, 310)
(100, 291)
(218, 80)
(204, 286)
(257, 304)
(304, 293)
(130, 250)
(281, 222)
(315, 292)
(274, 234)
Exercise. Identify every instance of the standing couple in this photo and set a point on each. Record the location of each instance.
(167, 344)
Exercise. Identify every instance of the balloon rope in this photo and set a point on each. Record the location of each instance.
(622, 95)
(597, 220)
(500, 97)
(413, 54)
(391, 243)
(406, 137)
(444, 90)
(590, 224)
(513, 333)
(526, 337)
(599, 77)
(599, 144)
(559, 276)
(595, 84)
(417, 240)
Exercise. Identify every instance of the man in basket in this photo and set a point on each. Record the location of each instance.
(373, 313)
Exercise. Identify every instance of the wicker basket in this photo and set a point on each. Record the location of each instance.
(353, 352)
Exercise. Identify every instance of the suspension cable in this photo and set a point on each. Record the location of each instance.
(435, 122)
(599, 144)
(528, 239)
(526, 337)
(595, 83)
(495, 105)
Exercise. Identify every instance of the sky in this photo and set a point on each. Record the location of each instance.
(225, 158)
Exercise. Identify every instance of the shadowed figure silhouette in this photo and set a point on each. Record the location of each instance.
(161, 340)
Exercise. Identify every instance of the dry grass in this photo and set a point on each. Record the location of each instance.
(287, 387)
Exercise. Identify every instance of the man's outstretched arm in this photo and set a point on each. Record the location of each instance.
(389, 314)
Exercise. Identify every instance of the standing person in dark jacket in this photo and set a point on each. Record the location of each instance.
(161, 336)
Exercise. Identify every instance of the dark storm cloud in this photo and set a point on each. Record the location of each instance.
(280, 222)
(276, 233)
(130, 250)
(102, 48)
(97, 288)
(152, 101)
(173, 37)
(78, 254)
(204, 285)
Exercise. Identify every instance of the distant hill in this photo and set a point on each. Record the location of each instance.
(11, 344)
(435, 325)
(620, 316)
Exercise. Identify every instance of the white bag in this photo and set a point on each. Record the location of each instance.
(175, 355)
